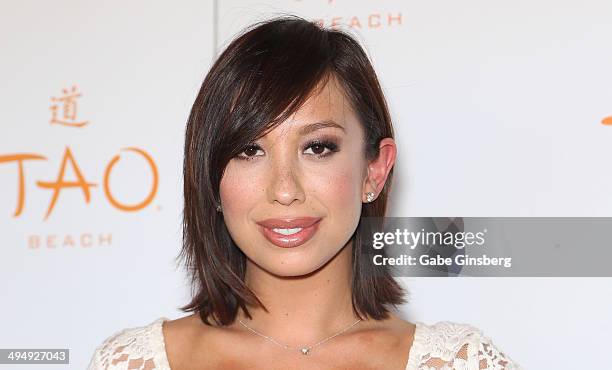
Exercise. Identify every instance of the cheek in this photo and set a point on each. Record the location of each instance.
(342, 201)
(237, 194)
(340, 190)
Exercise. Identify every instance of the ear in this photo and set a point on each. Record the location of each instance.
(379, 168)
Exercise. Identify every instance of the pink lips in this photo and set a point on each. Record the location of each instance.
(309, 226)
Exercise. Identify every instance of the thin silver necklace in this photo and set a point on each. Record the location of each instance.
(303, 350)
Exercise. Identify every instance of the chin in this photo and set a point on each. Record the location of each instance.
(287, 268)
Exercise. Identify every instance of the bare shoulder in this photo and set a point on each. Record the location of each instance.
(189, 341)
(395, 321)
(181, 330)
(395, 327)
(384, 343)
(402, 330)
(180, 336)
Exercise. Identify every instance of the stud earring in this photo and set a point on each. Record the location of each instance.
(218, 208)
(369, 196)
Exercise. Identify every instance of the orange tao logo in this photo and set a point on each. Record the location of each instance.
(68, 118)
(80, 182)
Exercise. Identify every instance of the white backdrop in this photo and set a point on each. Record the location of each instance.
(499, 110)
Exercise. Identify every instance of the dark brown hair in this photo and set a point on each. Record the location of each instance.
(260, 79)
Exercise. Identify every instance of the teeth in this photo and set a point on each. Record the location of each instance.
(287, 231)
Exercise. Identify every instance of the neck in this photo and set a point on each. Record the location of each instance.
(304, 309)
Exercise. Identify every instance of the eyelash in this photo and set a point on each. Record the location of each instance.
(325, 143)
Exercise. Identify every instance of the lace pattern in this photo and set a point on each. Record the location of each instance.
(444, 345)
(448, 345)
(140, 348)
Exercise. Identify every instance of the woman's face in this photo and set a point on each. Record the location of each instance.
(310, 170)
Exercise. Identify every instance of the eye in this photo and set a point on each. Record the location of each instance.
(249, 152)
(321, 148)
(318, 148)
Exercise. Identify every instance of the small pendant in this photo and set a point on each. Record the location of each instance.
(305, 351)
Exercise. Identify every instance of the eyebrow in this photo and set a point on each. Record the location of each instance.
(319, 125)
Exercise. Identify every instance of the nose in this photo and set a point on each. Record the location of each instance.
(285, 183)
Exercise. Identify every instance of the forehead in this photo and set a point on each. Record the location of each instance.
(328, 102)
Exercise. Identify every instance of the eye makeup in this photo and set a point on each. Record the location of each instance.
(325, 143)
(321, 148)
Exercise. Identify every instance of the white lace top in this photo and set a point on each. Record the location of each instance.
(444, 345)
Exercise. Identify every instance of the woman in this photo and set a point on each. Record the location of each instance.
(289, 143)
